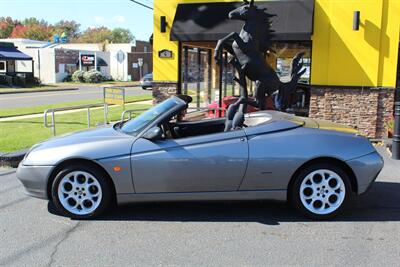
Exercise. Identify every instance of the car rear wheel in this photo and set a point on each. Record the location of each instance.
(320, 191)
(81, 192)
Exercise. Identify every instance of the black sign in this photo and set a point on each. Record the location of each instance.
(165, 53)
(87, 60)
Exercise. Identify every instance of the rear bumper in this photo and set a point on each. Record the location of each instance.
(34, 179)
(366, 170)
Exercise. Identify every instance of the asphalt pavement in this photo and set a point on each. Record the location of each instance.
(44, 98)
(203, 234)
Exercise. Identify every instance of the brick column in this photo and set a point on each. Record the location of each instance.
(366, 109)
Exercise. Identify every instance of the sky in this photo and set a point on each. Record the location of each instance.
(89, 13)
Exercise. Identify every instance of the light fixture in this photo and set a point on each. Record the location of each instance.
(163, 24)
(356, 20)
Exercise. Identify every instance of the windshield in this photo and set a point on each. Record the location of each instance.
(135, 126)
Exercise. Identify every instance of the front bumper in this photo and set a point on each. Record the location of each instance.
(366, 170)
(34, 179)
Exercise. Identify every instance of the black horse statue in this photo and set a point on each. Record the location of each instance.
(248, 55)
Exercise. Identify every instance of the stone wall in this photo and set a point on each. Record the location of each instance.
(366, 109)
(163, 90)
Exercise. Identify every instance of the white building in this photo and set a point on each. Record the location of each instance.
(53, 61)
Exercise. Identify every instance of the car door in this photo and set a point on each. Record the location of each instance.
(214, 162)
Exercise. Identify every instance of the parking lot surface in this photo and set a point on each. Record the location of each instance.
(203, 234)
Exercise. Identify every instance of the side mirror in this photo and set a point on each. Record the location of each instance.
(153, 134)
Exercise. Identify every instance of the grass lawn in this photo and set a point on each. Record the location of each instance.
(40, 109)
(20, 134)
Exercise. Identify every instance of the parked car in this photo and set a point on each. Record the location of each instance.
(315, 165)
(147, 81)
(229, 100)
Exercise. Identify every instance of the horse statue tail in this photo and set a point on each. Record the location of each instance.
(286, 89)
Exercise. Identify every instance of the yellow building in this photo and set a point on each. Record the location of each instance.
(351, 71)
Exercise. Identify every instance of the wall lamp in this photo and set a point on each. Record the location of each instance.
(163, 24)
(356, 20)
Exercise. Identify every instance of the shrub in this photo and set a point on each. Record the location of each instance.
(78, 76)
(93, 76)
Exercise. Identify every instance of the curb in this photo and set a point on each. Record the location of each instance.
(39, 91)
(12, 159)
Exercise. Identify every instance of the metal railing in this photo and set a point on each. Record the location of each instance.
(87, 107)
(53, 111)
(130, 111)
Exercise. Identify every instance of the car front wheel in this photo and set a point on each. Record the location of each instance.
(320, 191)
(81, 192)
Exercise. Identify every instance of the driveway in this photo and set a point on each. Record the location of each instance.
(44, 98)
(203, 234)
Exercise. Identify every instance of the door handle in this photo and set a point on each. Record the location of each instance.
(242, 139)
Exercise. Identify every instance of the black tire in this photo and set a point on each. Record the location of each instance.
(103, 181)
(295, 197)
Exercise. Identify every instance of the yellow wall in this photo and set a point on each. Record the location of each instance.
(167, 69)
(340, 56)
(367, 57)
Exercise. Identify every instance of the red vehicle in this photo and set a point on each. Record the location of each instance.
(299, 103)
(227, 101)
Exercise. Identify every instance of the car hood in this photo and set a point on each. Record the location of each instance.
(91, 144)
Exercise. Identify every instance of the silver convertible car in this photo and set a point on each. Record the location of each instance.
(162, 156)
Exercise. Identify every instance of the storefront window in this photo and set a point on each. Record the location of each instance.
(281, 55)
(197, 74)
(201, 75)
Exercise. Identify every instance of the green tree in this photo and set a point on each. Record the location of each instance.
(69, 27)
(32, 28)
(120, 35)
(95, 35)
(39, 32)
(7, 25)
(34, 21)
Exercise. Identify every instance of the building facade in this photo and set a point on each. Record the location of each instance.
(351, 69)
(53, 62)
(142, 51)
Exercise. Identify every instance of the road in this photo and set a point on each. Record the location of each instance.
(43, 98)
(202, 234)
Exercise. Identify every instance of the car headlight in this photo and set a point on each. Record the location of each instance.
(30, 150)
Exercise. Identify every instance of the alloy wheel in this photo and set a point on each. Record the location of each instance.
(80, 193)
(322, 192)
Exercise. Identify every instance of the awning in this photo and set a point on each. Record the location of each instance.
(210, 22)
(9, 52)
